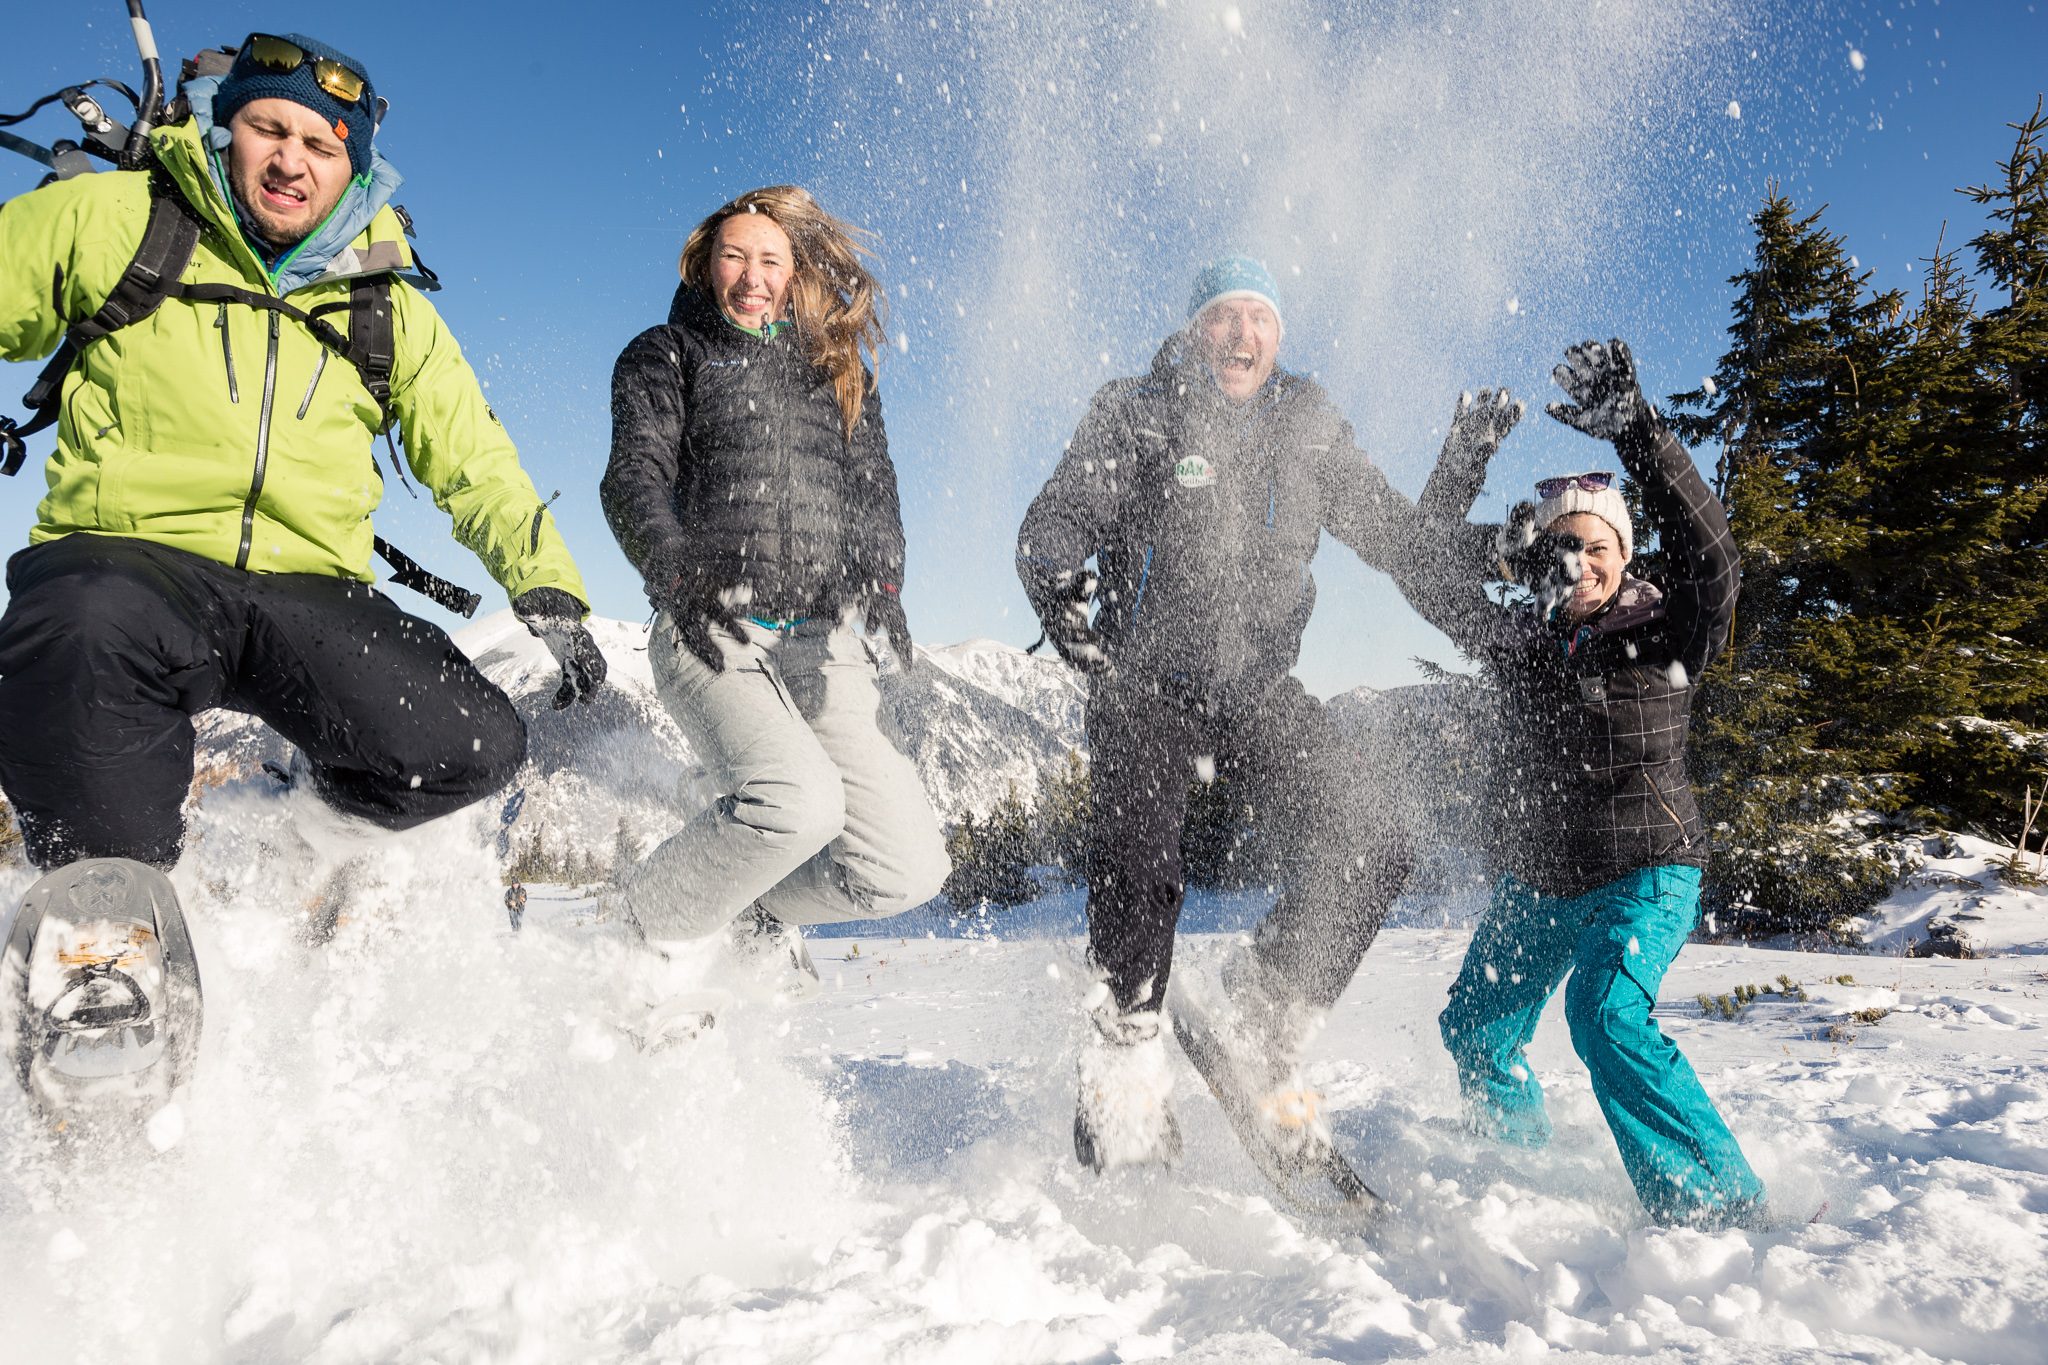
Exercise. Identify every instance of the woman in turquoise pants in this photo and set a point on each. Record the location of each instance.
(1600, 833)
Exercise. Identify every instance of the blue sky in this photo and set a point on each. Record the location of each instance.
(1448, 193)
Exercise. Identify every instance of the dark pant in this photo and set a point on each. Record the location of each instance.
(111, 645)
(1340, 851)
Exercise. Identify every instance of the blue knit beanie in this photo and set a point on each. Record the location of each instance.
(1235, 277)
(355, 124)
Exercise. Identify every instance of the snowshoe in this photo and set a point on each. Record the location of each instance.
(771, 956)
(666, 999)
(99, 992)
(1243, 1047)
(1123, 1116)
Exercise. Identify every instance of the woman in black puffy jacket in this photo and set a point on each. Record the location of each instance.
(751, 485)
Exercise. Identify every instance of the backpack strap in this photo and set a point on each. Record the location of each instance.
(152, 276)
(372, 336)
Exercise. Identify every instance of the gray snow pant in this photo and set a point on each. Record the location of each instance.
(819, 816)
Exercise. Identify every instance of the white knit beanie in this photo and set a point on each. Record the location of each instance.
(1607, 504)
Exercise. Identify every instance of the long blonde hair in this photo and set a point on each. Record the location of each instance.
(838, 306)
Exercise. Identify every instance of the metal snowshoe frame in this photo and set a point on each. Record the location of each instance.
(109, 1009)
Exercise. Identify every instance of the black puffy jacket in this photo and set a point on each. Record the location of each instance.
(1202, 516)
(1590, 779)
(730, 466)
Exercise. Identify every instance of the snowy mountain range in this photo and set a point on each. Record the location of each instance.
(976, 717)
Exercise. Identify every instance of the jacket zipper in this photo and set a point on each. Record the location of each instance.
(785, 516)
(262, 447)
(320, 368)
(227, 352)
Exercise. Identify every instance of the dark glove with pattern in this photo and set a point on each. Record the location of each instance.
(1545, 562)
(697, 609)
(1607, 402)
(556, 619)
(1065, 618)
(1478, 427)
(1234, 700)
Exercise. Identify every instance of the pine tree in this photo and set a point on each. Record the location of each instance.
(1806, 338)
(963, 851)
(536, 861)
(1063, 813)
(2005, 742)
(625, 853)
(992, 858)
(10, 836)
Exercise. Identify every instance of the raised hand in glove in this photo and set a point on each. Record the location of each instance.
(1607, 402)
(1545, 562)
(1066, 622)
(1478, 426)
(556, 619)
(884, 612)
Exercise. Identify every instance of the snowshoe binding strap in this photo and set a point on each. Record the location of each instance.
(95, 1009)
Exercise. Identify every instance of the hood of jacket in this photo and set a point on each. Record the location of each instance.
(359, 236)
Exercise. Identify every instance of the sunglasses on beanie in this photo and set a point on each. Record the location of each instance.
(1598, 482)
(283, 56)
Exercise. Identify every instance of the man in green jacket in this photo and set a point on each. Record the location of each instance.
(205, 539)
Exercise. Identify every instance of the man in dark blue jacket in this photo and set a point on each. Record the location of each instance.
(1200, 491)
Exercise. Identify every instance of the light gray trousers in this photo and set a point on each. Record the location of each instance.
(819, 816)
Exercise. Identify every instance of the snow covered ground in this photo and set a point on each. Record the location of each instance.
(1965, 893)
(431, 1141)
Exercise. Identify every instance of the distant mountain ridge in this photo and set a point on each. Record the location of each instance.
(975, 717)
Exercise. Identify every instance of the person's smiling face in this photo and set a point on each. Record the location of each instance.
(1239, 338)
(1600, 562)
(751, 263)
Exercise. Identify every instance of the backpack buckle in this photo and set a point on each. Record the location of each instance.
(13, 450)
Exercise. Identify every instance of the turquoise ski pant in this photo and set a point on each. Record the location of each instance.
(1615, 942)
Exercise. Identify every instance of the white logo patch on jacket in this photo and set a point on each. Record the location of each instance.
(1193, 471)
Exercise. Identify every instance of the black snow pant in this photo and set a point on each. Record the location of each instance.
(1333, 834)
(111, 645)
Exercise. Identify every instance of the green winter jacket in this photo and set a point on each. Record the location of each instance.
(163, 421)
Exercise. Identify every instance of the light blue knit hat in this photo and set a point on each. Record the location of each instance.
(1235, 277)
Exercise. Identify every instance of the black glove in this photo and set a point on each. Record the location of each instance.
(1545, 562)
(1065, 618)
(883, 611)
(556, 619)
(699, 608)
(1478, 427)
(1607, 402)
